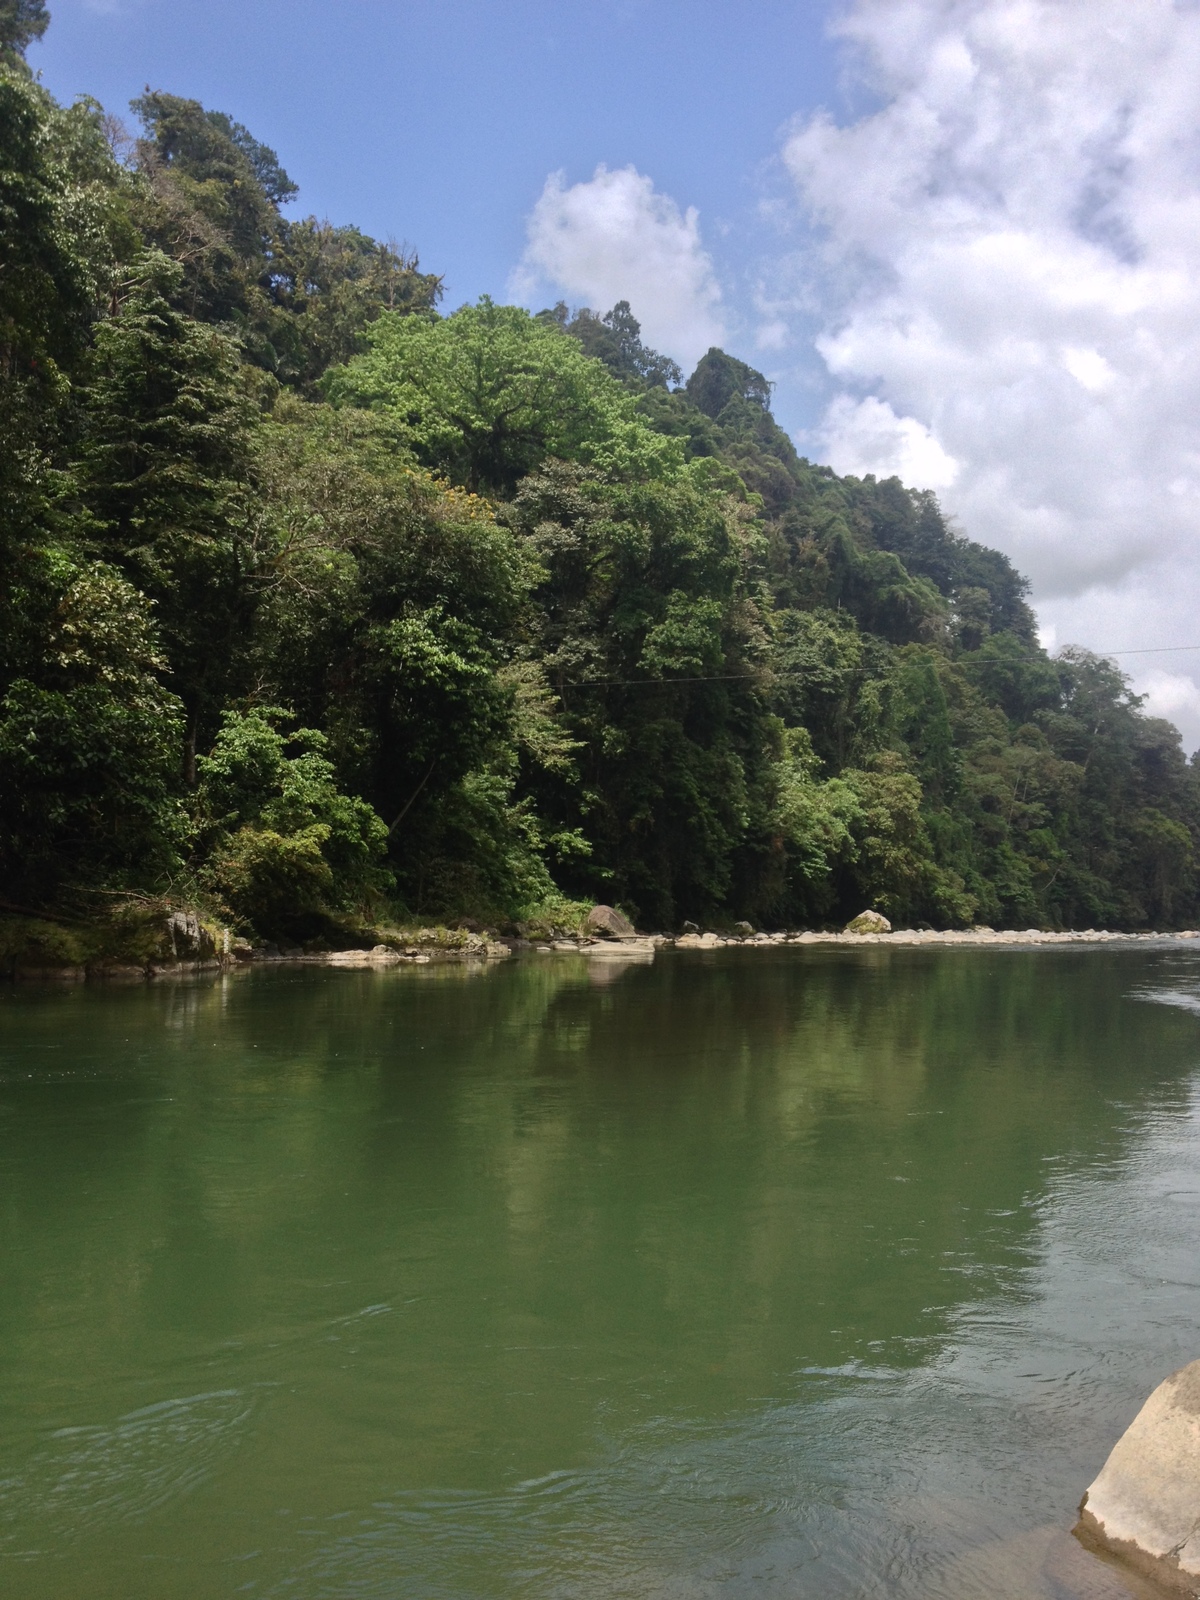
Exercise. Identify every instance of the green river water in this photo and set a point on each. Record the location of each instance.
(814, 1272)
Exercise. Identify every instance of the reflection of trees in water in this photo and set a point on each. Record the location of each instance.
(679, 1187)
(865, 1131)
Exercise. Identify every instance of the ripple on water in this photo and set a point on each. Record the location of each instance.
(84, 1478)
(826, 1279)
(1181, 998)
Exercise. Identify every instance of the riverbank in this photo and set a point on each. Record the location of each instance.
(213, 951)
(910, 936)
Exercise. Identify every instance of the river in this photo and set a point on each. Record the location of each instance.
(807, 1273)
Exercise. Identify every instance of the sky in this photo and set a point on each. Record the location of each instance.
(962, 237)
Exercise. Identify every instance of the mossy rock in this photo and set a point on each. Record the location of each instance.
(869, 922)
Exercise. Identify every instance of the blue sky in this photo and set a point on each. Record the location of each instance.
(437, 122)
(959, 235)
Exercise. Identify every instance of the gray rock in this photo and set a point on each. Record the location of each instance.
(691, 927)
(1145, 1505)
(188, 938)
(636, 949)
(744, 928)
(869, 922)
(608, 923)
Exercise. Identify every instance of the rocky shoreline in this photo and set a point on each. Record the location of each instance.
(921, 936)
(209, 956)
(646, 945)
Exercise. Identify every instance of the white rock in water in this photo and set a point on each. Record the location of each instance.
(869, 922)
(1145, 1505)
(620, 950)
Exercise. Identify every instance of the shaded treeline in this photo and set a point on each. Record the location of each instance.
(314, 601)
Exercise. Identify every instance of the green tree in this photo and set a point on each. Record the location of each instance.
(283, 841)
(21, 22)
(46, 282)
(89, 746)
(670, 660)
(163, 474)
(392, 604)
(645, 637)
(63, 228)
(298, 294)
(213, 201)
(326, 286)
(488, 393)
(616, 339)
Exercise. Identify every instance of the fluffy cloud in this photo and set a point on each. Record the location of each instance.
(616, 237)
(1172, 695)
(868, 436)
(1011, 284)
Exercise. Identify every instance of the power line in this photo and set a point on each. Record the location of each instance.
(742, 677)
(1152, 650)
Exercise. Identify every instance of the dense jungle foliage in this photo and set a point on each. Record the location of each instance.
(315, 602)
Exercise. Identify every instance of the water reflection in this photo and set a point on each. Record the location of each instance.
(805, 1273)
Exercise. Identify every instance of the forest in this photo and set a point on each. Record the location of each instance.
(324, 608)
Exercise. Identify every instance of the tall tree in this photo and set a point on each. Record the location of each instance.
(89, 749)
(393, 603)
(163, 475)
(298, 294)
(21, 22)
(488, 393)
(616, 339)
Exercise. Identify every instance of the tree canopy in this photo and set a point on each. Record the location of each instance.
(488, 393)
(21, 22)
(316, 602)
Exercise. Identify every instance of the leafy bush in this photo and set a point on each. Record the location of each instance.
(89, 748)
(282, 839)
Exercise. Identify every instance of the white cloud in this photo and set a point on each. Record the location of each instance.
(868, 436)
(1171, 695)
(616, 237)
(1153, 608)
(1011, 288)
(773, 334)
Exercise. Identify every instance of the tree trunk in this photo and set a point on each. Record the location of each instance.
(189, 754)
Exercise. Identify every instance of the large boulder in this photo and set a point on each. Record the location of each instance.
(1145, 1505)
(188, 938)
(608, 923)
(869, 922)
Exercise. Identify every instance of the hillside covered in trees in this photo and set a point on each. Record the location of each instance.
(317, 603)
